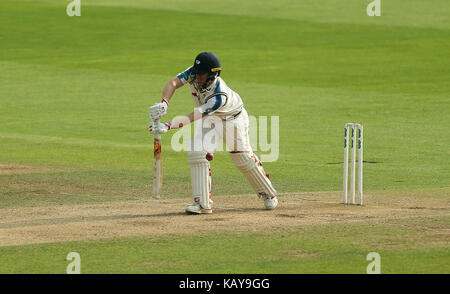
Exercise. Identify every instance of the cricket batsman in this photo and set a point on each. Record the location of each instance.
(220, 110)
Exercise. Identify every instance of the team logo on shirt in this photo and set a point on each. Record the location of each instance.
(197, 61)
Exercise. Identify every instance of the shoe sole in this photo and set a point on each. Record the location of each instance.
(203, 211)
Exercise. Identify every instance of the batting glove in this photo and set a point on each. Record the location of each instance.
(159, 127)
(159, 109)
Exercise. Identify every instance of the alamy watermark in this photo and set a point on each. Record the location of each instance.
(259, 134)
(374, 8)
(74, 267)
(374, 267)
(74, 8)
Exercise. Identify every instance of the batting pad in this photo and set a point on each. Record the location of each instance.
(200, 178)
(251, 167)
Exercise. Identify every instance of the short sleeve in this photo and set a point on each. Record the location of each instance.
(186, 76)
(213, 103)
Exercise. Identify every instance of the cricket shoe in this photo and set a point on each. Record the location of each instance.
(196, 208)
(269, 201)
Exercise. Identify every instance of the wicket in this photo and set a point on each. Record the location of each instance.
(353, 127)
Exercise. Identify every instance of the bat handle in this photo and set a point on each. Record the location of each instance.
(157, 134)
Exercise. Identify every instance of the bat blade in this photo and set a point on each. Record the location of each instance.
(157, 167)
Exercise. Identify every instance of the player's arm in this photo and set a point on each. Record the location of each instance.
(160, 109)
(212, 105)
(170, 88)
(179, 122)
(177, 82)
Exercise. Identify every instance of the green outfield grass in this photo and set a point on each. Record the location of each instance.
(331, 249)
(75, 93)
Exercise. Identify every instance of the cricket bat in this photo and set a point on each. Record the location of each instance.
(157, 168)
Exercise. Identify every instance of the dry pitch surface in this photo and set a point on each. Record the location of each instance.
(31, 225)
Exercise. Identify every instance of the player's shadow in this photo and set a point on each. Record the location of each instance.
(80, 219)
(238, 210)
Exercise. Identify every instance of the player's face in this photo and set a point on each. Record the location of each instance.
(201, 78)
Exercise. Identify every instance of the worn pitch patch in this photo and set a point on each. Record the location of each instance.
(7, 169)
(62, 223)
